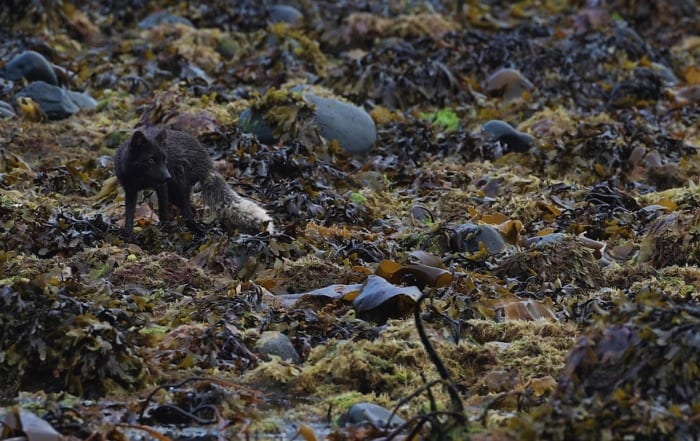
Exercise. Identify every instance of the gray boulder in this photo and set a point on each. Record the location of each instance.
(6, 110)
(56, 102)
(32, 66)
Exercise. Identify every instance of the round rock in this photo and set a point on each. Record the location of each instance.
(6, 110)
(370, 413)
(251, 121)
(276, 343)
(284, 13)
(82, 99)
(350, 125)
(163, 17)
(32, 66)
(467, 237)
(510, 138)
(54, 101)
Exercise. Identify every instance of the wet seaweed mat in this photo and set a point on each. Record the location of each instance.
(485, 221)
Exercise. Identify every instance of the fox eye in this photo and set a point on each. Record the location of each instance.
(152, 160)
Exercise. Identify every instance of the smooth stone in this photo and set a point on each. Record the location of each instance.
(508, 82)
(467, 237)
(370, 413)
(163, 17)
(547, 239)
(54, 101)
(276, 343)
(350, 125)
(32, 66)
(284, 13)
(82, 99)
(6, 110)
(510, 138)
(251, 121)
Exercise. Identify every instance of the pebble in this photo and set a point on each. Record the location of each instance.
(276, 343)
(32, 66)
(510, 138)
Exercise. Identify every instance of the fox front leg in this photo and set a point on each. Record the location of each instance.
(162, 192)
(130, 196)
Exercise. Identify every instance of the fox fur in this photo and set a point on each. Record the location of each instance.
(172, 162)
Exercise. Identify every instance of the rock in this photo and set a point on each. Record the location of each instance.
(276, 343)
(31, 66)
(56, 102)
(251, 121)
(350, 125)
(6, 110)
(370, 413)
(163, 17)
(510, 138)
(467, 237)
(82, 99)
(546, 240)
(227, 47)
(284, 13)
(508, 83)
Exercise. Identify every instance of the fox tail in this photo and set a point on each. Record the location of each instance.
(232, 209)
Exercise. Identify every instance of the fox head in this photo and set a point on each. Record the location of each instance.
(147, 159)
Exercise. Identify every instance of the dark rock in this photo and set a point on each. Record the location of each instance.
(373, 414)
(467, 237)
(350, 125)
(510, 138)
(32, 66)
(251, 121)
(276, 343)
(163, 17)
(284, 13)
(54, 101)
(6, 110)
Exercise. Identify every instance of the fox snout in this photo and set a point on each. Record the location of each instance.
(158, 173)
(166, 174)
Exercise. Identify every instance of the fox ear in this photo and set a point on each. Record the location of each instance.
(161, 137)
(138, 139)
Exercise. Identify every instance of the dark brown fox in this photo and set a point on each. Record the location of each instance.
(172, 162)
